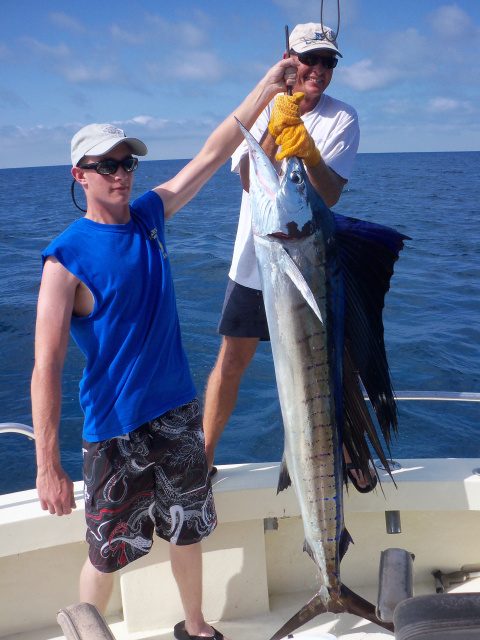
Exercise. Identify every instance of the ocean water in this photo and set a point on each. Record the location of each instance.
(432, 328)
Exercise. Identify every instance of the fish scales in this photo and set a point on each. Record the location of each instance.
(307, 393)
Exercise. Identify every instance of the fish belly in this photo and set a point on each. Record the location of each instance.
(302, 348)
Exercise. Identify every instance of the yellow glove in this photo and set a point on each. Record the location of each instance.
(296, 141)
(285, 113)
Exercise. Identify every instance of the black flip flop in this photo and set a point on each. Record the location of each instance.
(370, 487)
(181, 633)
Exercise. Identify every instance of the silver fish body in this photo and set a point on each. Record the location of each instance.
(326, 334)
(303, 349)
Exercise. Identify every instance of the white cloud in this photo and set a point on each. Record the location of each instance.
(197, 66)
(149, 122)
(366, 75)
(398, 107)
(451, 23)
(11, 98)
(165, 139)
(448, 105)
(57, 52)
(180, 35)
(127, 37)
(81, 74)
(402, 48)
(300, 11)
(66, 22)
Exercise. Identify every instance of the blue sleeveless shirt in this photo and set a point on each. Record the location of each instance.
(136, 367)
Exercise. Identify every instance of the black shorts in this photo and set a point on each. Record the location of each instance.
(154, 478)
(243, 313)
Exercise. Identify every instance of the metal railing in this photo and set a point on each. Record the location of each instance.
(437, 396)
(16, 427)
(445, 396)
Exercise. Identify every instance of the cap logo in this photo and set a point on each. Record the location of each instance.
(114, 131)
(320, 36)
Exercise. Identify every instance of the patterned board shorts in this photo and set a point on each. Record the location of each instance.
(154, 478)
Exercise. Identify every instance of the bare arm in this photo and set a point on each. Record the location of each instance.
(223, 141)
(54, 312)
(327, 182)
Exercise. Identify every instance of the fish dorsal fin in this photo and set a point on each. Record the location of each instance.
(368, 252)
(290, 269)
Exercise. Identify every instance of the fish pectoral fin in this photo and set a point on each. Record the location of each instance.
(293, 272)
(284, 480)
(308, 549)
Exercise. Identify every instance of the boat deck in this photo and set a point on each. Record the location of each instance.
(256, 575)
(326, 627)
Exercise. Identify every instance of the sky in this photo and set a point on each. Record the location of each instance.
(169, 72)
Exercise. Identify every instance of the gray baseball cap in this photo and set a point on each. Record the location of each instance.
(97, 139)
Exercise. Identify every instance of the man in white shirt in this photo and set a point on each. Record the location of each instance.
(333, 125)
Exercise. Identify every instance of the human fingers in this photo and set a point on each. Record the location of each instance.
(284, 70)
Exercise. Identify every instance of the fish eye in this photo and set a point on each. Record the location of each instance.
(296, 177)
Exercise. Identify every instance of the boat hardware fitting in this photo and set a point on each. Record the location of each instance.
(445, 580)
(392, 522)
(395, 583)
(393, 465)
(270, 524)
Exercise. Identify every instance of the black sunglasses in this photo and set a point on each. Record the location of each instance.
(109, 167)
(311, 59)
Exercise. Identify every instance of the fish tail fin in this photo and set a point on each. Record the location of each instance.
(313, 608)
(360, 607)
(345, 602)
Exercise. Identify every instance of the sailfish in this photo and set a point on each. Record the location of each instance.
(324, 279)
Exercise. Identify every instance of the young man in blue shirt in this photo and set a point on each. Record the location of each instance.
(107, 280)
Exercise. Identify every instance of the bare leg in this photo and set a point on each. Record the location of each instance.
(222, 388)
(186, 563)
(95, 587)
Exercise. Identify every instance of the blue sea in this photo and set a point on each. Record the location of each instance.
(432, 327)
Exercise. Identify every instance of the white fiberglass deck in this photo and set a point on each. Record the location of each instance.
(255, 573)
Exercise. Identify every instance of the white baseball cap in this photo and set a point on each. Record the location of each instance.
(97, 139)
(312, 36)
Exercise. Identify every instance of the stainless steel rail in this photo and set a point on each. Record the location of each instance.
(16, 427)
(446, 396)
(436, 396)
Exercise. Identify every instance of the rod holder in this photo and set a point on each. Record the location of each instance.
(393, 522)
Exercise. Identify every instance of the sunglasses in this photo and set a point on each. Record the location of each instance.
(311, 59)
(109, 167)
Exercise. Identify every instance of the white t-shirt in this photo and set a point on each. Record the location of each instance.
(334, 127)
